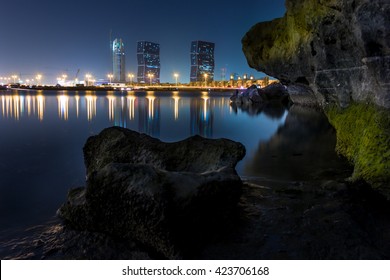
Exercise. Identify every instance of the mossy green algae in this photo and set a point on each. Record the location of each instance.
(363, 137)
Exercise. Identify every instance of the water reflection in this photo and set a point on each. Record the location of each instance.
(77, 98)
(141, 112)
(63, 107)
(15, 106)
(111, 107)
(202, 117)
(274, 110)
(149, 115)
(176, 106)
(91, 106)
(302, 149)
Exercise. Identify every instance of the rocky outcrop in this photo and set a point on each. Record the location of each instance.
(171, 197)
(335, 51)
(335, 54)
(253, 95)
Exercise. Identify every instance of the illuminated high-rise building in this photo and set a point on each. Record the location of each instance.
(118, 61)
(148, 57)
(202, 61)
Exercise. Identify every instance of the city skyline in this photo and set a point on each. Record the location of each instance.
(53, 40)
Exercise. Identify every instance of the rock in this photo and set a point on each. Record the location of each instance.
(335, 54)
(195, 154)
(171, 197)
(274, 91)
(334, 51)
(254, 95)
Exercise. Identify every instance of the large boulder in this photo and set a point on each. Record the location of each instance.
(171, 197)
(327, 51)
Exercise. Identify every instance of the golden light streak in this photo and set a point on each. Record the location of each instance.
(131, 106)
(77, 98)
(63, 107)
(176, 108)
(91, 106)
(111, 107)
(28, 101)
(41, 106)
(205, 99)
(150, 106)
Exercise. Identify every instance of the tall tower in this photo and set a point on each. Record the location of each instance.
(148, 57)
(118, 61)
(202, 61)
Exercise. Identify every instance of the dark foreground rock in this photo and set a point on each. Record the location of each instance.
(331, 219)
(171, 197)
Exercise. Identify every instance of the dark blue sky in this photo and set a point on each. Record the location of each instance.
(53, 37)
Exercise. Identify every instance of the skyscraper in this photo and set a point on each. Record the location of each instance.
(202, 61)
(148, 57)
(118, 61)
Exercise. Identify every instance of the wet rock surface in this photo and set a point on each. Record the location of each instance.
(274, 93)
(172, 197)
(331, 219)
(308, 220)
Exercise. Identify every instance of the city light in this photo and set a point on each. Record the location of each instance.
(205, 80)
(150, 77)
(110, 76)
(87, 76)
(131, 76)
(176, 76)
(38, 78)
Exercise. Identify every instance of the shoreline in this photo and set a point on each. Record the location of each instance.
(122, 89)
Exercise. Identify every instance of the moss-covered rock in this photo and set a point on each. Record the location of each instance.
(333, 51)
(363, 136)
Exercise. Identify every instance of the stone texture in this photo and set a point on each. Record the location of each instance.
(171, 197)
(253, 95)
(333, 51)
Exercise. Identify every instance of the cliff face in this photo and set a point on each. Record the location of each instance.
(326, 51)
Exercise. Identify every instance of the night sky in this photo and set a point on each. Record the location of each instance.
(55, 37)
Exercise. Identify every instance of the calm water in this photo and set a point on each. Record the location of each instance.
(42, 137)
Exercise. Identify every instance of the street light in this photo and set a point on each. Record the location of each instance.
(64, 78)
(87, 76)
(14, 77)
(110, 76)
(176, 76)
(131, 76)
(150, 77)
(38, 78)
(205, 80)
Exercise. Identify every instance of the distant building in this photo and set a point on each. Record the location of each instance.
(118, 61)
(202, 61)
(148, 57)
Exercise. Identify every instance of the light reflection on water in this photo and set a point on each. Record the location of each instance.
(42, 137)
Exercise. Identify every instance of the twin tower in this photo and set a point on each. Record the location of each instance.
(148, 58)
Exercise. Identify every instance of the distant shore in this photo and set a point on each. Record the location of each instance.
(122, 89)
